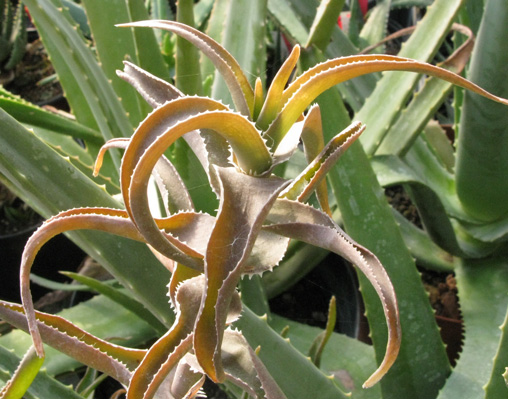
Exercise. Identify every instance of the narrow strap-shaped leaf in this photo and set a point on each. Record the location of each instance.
(302, 222)
(119, 297)
(171, 347)
(113, 45)
(245, 202)
(273, 102)
(24, 375)
(324, 22)
(318, 345)
(90, 95)
(421, 46)
(114, 360)
(239, 86)
(426, 101)
(28, 113)
(173, 191)
(154, 90)
(258, 98)
(376, 26)
(329, 73)
(165, 174)
(116, 222)
(313, 144)
(243, 367)
(103, 219)
(187, 69)
(311, 177)
(154, 136)
(163, 119)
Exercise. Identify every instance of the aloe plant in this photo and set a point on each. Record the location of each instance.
(208, 252)
(13, 36)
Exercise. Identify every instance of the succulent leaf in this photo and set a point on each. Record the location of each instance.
(313, 175)
(273, 102)
(239, 86)
(16, 387)
(245, 202)
(114, 360)
(302, 222)
(316, 80)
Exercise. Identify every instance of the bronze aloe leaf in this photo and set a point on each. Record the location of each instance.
(258, 214)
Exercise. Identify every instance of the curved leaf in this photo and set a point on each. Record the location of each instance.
(239, 86)
(316, 80)
(114, 360)
(296, 220)
(160, 130)
(245, 202)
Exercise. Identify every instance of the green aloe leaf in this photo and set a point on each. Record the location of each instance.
(32, 115)
(481, 184)
(497, 386)
(187, 69)
(43, 386)
(376, 26)
(119, 297)
(324, 22)
(46, 188)
(114, 45)
(348, 360)
(115, 360)
(367, 217)
(23, 377)
(398, 86)
(244, 38)
(276, 352)
(92, 99)
(425, 102)
(319, 344)
(482, 284)
(101, 317)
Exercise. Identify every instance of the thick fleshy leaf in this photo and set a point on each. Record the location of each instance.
(315, 81)
(154, 136)
(157, 92)
(154, 90)
(119, 297)
(318, 345)
(313, 144)
(57, 332)
(245, 202)
(299, 221)
(16, 387)
(273, 102)
(171, 347)
(165, 175)
(182, 236)
(239, 86)
(309, 180)
(167, 352)
(245, 369)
